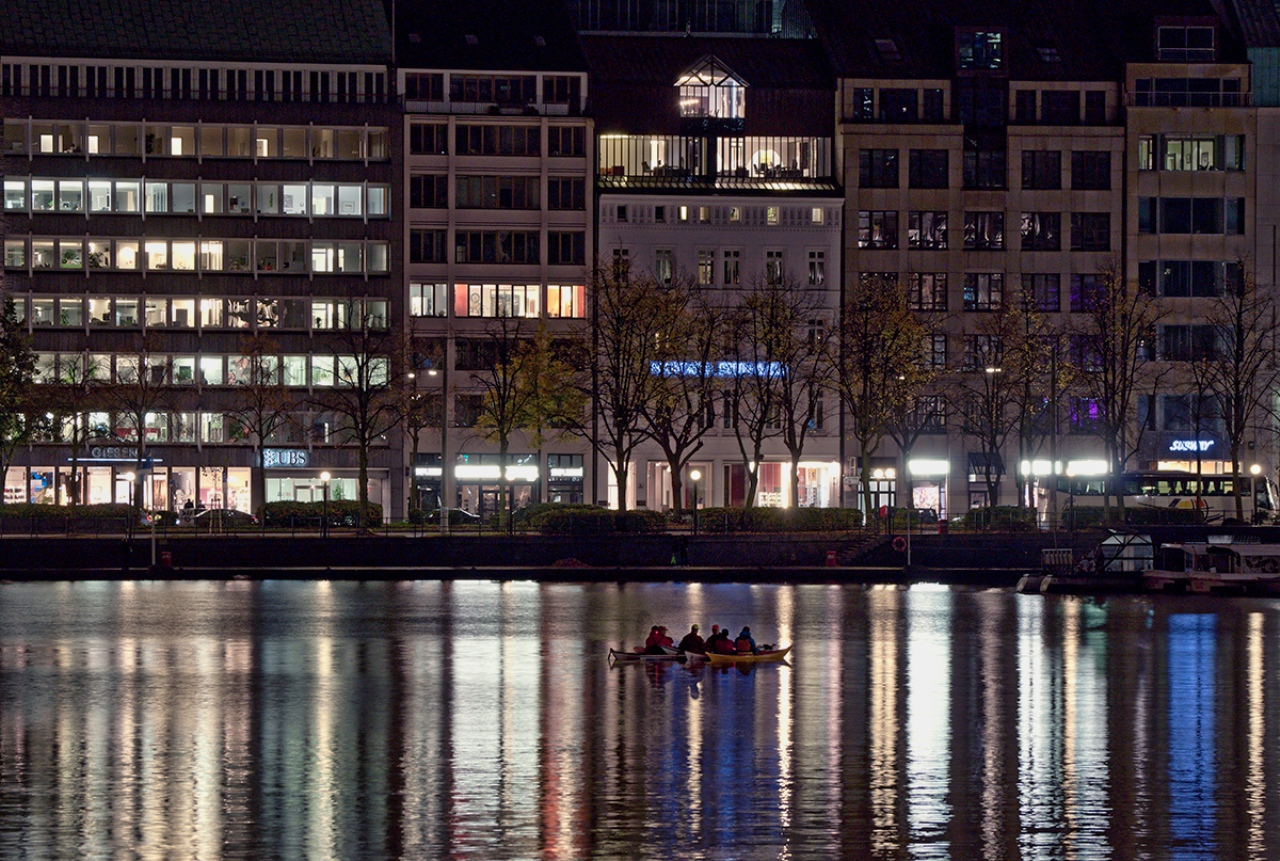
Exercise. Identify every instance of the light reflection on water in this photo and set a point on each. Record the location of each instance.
(481, 720)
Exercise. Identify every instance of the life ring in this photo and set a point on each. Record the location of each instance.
(899, 544)
(1268, 566)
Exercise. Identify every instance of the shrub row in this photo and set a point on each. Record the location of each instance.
(342, 512)
(102, 511)
(1008, 518)
(582, 519)
(779, 519)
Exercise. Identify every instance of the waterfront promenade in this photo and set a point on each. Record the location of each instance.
(983, 559)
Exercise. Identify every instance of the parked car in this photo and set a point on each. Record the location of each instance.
(457, 517)
(222, 518)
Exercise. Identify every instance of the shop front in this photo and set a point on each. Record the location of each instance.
(929, 484)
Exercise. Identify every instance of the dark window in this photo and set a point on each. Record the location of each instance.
(980, 102)
(498, 192)
(935, 351)
(1042, 291)
(927, 230)
(1095, 108)
(497, 140)
(429, 191)
(1086, 292)
(899, 106)
(1206, 215)
(426, 246)
(927, 291)
(1091, 170)
(496, 246)
(982, 351)
(1175, 215)
(1147, 211)
(566, 248)
(933, 109)
(1084, 353)
(1188, 343)
(426, 86)
(566, 140)
(567, 192)
(1234, 215)
(927, 168)
(985, 161)
(878, 229)
(1041, 169)
(1025, 106)
(1041, 231)
(1060, 107)
(983, 231)
(983, 291)
(1090, 231)
(878, 168)
(427, 139)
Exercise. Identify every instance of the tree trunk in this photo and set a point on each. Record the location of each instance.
(364, 486)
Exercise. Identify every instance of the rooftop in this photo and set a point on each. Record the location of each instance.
(325, 32)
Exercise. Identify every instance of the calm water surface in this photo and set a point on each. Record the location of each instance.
(483, 721)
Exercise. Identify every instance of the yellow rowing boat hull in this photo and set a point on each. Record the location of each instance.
(757, 658)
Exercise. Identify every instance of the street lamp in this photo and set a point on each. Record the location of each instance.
(324, 523)
(694, 475)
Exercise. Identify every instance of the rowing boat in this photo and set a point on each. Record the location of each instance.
(668, 656)
(747, 658)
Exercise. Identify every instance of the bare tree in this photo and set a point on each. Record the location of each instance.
(136, 396)
(987, 393)
(686, 378)
(365, 398)
(419, 410)
(1110, 358)
(20, 420)
(632, 313)
(1242, 369)
(882, 370)
(263, 406)
(69, 398)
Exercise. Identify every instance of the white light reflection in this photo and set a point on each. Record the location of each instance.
(929, 722)
(786, 608)
(883, 607)
(1255, 778)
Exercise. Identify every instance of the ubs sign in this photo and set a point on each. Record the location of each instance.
(285, 458)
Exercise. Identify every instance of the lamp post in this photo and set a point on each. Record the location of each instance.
(324, 521)
(694, 475)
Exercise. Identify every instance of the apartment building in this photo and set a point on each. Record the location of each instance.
(1018, 154)
(181, 196)
(499, 229)
(715, 161)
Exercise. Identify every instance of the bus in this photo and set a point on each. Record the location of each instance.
(1213, 495)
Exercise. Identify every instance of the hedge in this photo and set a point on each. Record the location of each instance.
(1005, 518)
(347, 511)
(779, 519)
(100, 511)
(582, 519)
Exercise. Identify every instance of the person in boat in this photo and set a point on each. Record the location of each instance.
(745, 642)
(720, 643)
(693, 643)
(659, 643)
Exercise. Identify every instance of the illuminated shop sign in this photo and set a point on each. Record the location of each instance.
(769, 370)
(285, 458)
(1193, 445)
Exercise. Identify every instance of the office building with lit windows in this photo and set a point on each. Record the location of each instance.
(499, 230)
(179, 180)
